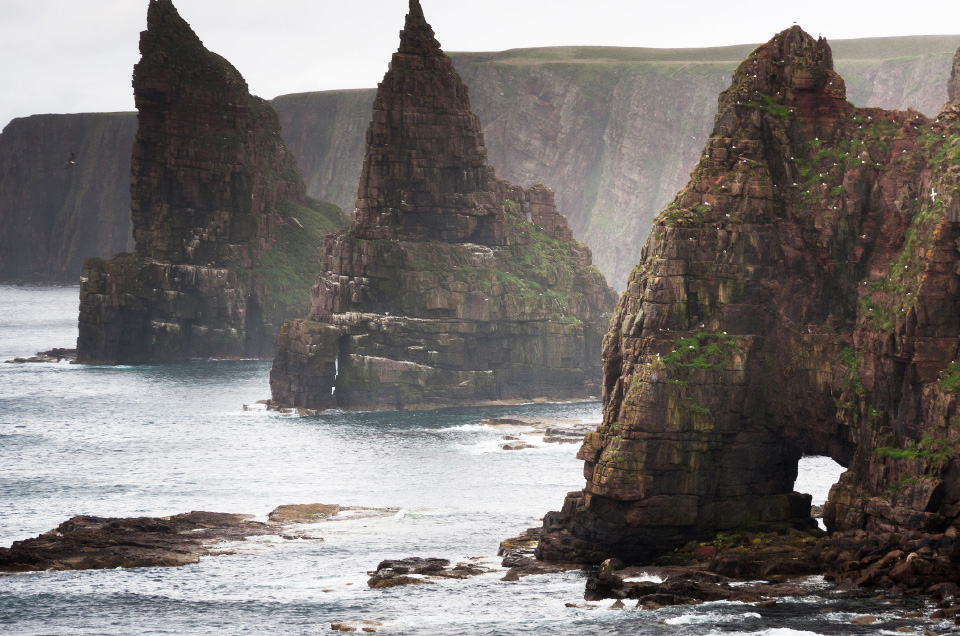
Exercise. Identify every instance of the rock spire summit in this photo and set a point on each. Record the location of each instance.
(425, 172)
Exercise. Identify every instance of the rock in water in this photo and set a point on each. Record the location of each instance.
(226, 238)
(798, 296)
(451, 286)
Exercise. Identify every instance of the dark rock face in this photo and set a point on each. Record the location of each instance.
(451, 286)
(64, 194)
(799, 296)
(219, 215)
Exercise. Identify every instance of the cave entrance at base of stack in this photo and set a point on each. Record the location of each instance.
(816, 475)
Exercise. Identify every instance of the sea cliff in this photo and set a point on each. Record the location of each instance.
(799, 295)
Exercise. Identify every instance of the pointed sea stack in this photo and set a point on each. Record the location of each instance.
(224, 232)
(451, 287)
(799, 296)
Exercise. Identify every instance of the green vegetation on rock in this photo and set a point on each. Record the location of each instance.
(289, 268)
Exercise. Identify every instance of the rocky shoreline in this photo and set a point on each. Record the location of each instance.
(100, 543)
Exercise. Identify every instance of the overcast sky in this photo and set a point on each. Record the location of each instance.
(64, 56)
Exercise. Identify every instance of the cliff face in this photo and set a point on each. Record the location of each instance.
(57, 210)
(224, 232)
(604, 126)
(451, 286)
(799, 295)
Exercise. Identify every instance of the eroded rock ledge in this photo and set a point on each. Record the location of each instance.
(100, 543)
(226, 238)
(800, 295)
(451, 286)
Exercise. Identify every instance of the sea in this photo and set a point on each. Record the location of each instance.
(160, 440)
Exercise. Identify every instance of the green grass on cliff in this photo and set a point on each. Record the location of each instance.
(935, 450)
(288, 270)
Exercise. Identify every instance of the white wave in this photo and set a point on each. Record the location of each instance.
(710, 618)
(645, 578)
(776, 631)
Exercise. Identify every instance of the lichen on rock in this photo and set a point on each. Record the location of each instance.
(225, 234)
(798, 296)
(451, 286)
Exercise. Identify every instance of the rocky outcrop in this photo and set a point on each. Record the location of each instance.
(224, 232)
(420, 571)
(451, 286)
(587, 120)
(100, 543)
(798, 296)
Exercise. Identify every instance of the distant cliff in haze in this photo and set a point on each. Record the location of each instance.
(614, 131)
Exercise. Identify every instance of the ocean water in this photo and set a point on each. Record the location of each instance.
(160, 440)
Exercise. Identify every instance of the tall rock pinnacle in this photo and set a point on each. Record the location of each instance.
(425, 172)
(451, 286)
(220, 216)
(209, 166)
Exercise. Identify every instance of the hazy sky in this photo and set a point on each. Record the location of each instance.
(62, 56)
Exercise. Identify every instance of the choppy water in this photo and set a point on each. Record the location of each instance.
(125, 441)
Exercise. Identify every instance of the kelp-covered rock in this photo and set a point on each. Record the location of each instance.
(800, 295)
(451, 286)
(225, 235)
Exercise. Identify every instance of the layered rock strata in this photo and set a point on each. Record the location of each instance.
(800, 295)
(224, 231)
(451, 286)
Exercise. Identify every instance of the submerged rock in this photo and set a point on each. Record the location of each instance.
(53, 355)
(225, 235)
(366, 626)
(451, 287)
(798, 296)
(419, 571)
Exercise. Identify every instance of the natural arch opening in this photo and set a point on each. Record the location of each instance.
(816, 475)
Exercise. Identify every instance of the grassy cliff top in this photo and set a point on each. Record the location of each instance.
(858, 49)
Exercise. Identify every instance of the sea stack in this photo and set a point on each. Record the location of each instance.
(225, 234)
(799, 296)
(451, 286)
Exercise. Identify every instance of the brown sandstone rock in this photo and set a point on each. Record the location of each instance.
(451, 287)
(799, 296)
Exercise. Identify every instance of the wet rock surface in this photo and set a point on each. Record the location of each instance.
(97, 543)
(420, 571)
(451, 286)
(85, 543)
(798, 296)
(51, 356)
